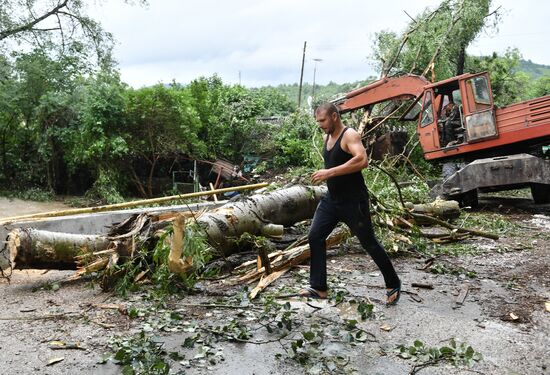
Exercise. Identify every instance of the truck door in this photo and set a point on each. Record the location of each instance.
(427, 129)
(478, 108)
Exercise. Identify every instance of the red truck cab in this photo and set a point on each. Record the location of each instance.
(458, 118)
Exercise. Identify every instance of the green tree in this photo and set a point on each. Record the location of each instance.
(229, 116)
(206, 99)
(294, 141)
(44, 107)
(9, 119)
(436, 40)
(95, 145)
(540, 87)
(237, 120)
(273, 102)
(161, 124)
(508, 84)
(54, 25)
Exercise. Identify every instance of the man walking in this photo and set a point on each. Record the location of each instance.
(347, 201)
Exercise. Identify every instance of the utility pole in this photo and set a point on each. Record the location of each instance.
(301, 76)
(314, 71)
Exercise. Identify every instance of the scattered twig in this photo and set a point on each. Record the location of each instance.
(422, 285)
(420, 366)
(454, 227)
(219, 306)
(42, 317)
(359, 329)
(462, 295)
(233, 338)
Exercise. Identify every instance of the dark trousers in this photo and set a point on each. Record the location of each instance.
(356, 216)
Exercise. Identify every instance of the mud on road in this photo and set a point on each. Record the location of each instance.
(502, 316)
(15, 207)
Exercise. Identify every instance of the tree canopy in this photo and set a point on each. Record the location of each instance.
(68, 124)
(435, 41)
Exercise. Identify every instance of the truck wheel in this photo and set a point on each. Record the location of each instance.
(540, 193)
(468, 199)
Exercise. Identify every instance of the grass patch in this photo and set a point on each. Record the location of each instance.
(488, 222)
(517, 193)
(456, 249)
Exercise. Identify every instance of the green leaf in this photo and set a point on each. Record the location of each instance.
(361, 336)
(308, 335)
(104, 358)
(120, 355)
(477, 357)
(405, 355)
(418, 344)
(133, 313)
(351, 324)
(176, 356)
(445, 350)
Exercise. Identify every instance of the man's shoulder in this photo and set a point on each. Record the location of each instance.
(351, 131)
(351, 135)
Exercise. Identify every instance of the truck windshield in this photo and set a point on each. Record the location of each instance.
(427, 111)
(481, 89)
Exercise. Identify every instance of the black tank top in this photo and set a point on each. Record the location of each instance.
(349, 187)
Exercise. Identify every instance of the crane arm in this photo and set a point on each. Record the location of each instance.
(403, 87)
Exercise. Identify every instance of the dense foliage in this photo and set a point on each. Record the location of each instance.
(68, 129)
(69, 125)
(434, 43)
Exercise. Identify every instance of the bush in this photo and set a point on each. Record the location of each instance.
(106, 188)
(294, 142)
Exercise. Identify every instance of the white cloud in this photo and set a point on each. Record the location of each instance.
(263, 39)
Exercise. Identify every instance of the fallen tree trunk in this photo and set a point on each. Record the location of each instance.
(258, 215)
(265, 214)
(40, 249)
(446, 210)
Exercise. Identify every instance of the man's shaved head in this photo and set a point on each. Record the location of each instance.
(328, 117)
(330, 108)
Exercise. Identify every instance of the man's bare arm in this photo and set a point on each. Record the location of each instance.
(351, 142)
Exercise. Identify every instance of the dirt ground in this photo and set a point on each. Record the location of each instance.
(502, 317)
(15, 207)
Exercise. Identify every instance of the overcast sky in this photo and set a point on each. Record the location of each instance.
(263, 39)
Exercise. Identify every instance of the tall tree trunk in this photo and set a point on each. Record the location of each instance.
(258, 214)
(137, 182)
(150, 176)
(461, 60)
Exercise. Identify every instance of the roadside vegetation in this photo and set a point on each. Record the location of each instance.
(70, 126)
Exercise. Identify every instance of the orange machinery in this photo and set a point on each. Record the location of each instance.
(457, 119)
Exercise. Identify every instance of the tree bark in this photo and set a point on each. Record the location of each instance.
(446, 210)
(29, 25)
(150, 176)
(461, 60)
(137, 181)
(40, 249)
(259, 215)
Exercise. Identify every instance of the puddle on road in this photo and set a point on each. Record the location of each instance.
(541, 221)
